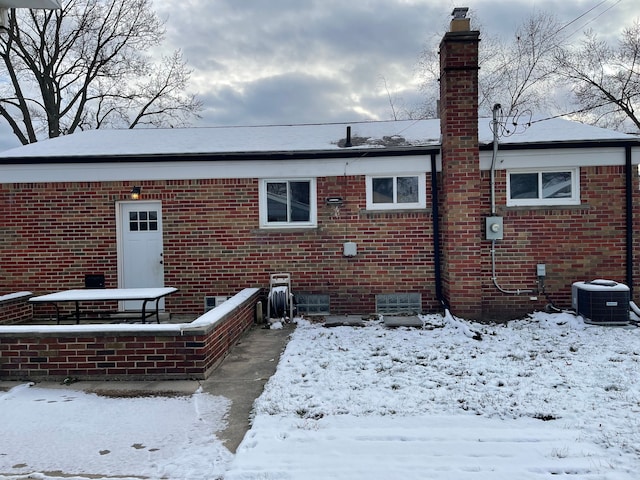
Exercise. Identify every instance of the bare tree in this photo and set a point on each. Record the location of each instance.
(86, 67)
(517, 72)
(521, 72)
(605, 80)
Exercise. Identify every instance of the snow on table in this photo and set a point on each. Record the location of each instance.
(104, 294)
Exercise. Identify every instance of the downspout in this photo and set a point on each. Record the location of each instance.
(435, 214)
(629, 215)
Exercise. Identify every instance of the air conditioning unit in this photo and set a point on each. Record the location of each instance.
(601, 302)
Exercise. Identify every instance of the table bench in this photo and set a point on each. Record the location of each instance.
(145, 295)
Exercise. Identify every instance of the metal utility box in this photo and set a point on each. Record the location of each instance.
(494, 228)
(601, 302)
(350, 249)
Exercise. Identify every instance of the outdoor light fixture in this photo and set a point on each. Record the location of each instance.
(334, 201)
(135, 192)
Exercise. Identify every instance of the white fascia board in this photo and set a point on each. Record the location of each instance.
(187, 170)
(558, 157)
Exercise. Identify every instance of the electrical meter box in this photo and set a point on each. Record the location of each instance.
(601, 302)
(493, 228)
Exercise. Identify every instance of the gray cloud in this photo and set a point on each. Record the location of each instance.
(313, 61)
(309, 61)
(266, 101)
(293, 61)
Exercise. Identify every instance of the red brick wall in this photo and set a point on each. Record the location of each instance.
(15, 310)
(636, 237)
(142, 355)
(52, 234)
(55, 233)
(214, 246)
(576, 243)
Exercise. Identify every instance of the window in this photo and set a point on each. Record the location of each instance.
(143, 221)
(396, 192)
(288, 203)
(543, 187)
(312, 304)
(398, 303)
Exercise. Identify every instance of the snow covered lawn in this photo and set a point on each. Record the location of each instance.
(544, 397)
(534, 399)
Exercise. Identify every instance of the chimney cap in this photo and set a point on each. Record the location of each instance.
(460, 13)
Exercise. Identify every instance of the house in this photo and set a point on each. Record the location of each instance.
(378, 216)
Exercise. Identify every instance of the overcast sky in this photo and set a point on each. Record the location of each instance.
(317, 61)
(310, 61)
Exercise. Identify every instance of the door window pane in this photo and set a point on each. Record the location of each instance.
(143, 221)
(133, 221)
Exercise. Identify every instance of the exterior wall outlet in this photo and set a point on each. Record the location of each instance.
(494, 228)
(350, 249)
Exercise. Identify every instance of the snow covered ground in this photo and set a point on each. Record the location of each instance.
(543, 397)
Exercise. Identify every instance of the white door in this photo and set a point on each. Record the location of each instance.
(140, 259)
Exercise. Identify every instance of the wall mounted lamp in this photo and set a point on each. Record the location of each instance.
(135, 192)
(334, 201)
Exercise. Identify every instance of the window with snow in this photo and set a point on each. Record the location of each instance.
(396, 192)
(288, 203)
(543, 187)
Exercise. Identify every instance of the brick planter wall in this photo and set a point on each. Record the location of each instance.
(15, 308)
(127, 352)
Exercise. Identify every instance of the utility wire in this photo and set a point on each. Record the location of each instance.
(582, 110)
(596, 17)
(585, 13)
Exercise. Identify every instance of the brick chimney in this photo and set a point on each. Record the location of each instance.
(461, 224)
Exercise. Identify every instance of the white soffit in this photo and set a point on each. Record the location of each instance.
(557, 157)
(185, 169)
(49, 4)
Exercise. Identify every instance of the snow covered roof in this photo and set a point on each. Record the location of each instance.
(389, 135)
(219, 140)
(551, 131)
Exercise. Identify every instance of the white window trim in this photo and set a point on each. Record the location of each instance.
(422, 193)
(530, 202)
(313, 208)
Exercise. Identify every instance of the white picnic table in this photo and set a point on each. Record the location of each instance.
(104, 295)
